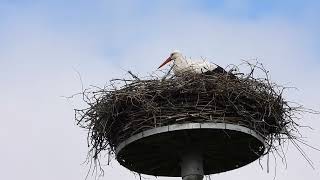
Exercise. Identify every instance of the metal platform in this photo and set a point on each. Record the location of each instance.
(159, 151)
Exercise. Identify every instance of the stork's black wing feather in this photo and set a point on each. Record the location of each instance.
(220, 70)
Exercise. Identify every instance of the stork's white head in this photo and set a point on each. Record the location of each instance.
(173, 56)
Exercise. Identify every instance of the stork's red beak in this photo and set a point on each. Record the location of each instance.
(165, 62)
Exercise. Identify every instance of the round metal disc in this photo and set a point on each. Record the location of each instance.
(223, 147)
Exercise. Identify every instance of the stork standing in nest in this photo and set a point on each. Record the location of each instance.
(181, 65)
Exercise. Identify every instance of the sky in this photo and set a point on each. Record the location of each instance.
(44, 45)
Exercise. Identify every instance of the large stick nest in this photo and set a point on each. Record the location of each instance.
(116, 113)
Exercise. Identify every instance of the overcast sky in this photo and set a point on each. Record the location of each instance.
(44, 43)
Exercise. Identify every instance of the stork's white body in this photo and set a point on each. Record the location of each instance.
(181, 65)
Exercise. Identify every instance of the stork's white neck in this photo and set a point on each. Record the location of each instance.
(179, 60)
(180, 64)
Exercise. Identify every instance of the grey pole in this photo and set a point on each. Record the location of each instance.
(191, 165)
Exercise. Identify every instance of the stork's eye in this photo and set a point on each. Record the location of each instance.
(171, 54)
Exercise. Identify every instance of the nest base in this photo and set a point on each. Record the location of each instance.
(158, 151)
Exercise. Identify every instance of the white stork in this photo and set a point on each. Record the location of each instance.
(182, 65)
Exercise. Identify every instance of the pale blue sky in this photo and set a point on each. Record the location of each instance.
(116, 24)
(42, 43)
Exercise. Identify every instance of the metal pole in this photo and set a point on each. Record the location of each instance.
(191, 165)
